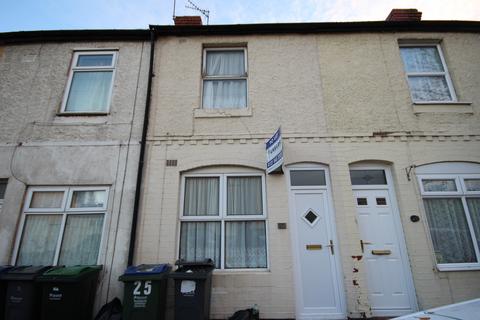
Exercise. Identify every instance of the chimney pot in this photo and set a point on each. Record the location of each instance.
(188, 21)
(404, 15)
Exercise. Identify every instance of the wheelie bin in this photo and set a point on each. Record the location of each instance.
(23, 292)
(68, 292)
(193, 288)
(145, 291)
(3, 290)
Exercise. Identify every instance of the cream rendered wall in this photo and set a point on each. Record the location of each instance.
(339, 99)
(40, 148)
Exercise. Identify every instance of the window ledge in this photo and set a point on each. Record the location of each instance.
(442, 107)
(457, 268)
(240, 271)
(223, 113)
(81, 114)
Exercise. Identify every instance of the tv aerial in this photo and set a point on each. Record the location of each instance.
(193, 6)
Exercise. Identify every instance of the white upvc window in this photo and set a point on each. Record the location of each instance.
(224, 73)
(90, 82)
(3, 187)
(452, 206)
(61, 226)
(427, 73)
(223, 217)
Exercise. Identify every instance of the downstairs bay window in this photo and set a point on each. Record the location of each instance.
(223, 217)
(452, 207)
(62, 226)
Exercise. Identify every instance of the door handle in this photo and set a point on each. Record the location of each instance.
(381, 252)
(332, 251)
(362, 244)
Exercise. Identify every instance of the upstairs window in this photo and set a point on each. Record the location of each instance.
(224, 78)
(3, 187)
(427, 73)
(90, 82)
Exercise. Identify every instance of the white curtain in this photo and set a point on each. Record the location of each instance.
(201, 196)
(88, 199)
(81, 240)
(89, 91)
(245, 244)
(244, 196)
(199, 241)
(225, 93)
(47, 199)
(449, 230)
(439, 185)
(39, 240)
(474, 209)
(431, 88)
(421, 59)
(225, 63)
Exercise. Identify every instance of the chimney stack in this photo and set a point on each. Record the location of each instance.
(404, 15)
(188, 21)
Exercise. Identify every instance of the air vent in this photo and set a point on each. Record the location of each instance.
(171, 163)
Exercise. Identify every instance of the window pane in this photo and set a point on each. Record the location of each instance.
(366, 177)
(46, 199)
(201, 197)
(39, 240)
(244, 196)
(474, 209)
(224, 94)
(421, 59)
(225, 63)
(97, 60)
(436, 185)
(433, 88)
(81, 240)
(449, 230)
(199, 241)
(3, 187)
(472, 184)
(89, 91)
(88, 199)
(307, 178)
(245, 244)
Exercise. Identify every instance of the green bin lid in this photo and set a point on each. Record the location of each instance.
(69, 273)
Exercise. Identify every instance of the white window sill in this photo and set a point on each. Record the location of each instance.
(458, 267)
(223, 113)
(442, 107)
(81, 114)
(240, 271)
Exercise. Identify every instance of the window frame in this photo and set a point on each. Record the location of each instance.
(205, 77)
(223, 217)
(445, 73)
(2, 199)
(463, 195)
(74, 68)
(64, 212)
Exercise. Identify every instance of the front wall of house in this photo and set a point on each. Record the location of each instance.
(39, 147)
(339, 99)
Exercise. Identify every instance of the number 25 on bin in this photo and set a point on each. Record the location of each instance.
(147, 288)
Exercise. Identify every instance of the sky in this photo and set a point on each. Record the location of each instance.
(23, 15)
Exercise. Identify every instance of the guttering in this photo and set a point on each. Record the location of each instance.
(136, 205)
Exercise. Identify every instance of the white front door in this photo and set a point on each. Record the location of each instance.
(390, 287)
(317, 267)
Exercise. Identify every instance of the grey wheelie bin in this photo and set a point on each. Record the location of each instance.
(145, 291)
(23, 292)
(68, 292)
(193, 288)
(3, 291)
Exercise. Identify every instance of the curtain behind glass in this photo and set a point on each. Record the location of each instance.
(474, 209)
(432, 88)
(81, 240)
(224, 94)
(46, 199)
(225, 63)
(244, 196)
(88, 199)
(89, 91)
(421, 59)
(39, 240)
(201, 196)
(199, 241)
(449, 230)
(245, 244)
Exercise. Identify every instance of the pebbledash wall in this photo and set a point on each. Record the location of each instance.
(42, 147)
(340, 98)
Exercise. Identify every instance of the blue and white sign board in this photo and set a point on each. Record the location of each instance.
(275, 153)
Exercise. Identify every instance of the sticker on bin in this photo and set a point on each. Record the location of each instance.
(187, 287)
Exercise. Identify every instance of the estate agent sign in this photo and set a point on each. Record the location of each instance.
(275, 153)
